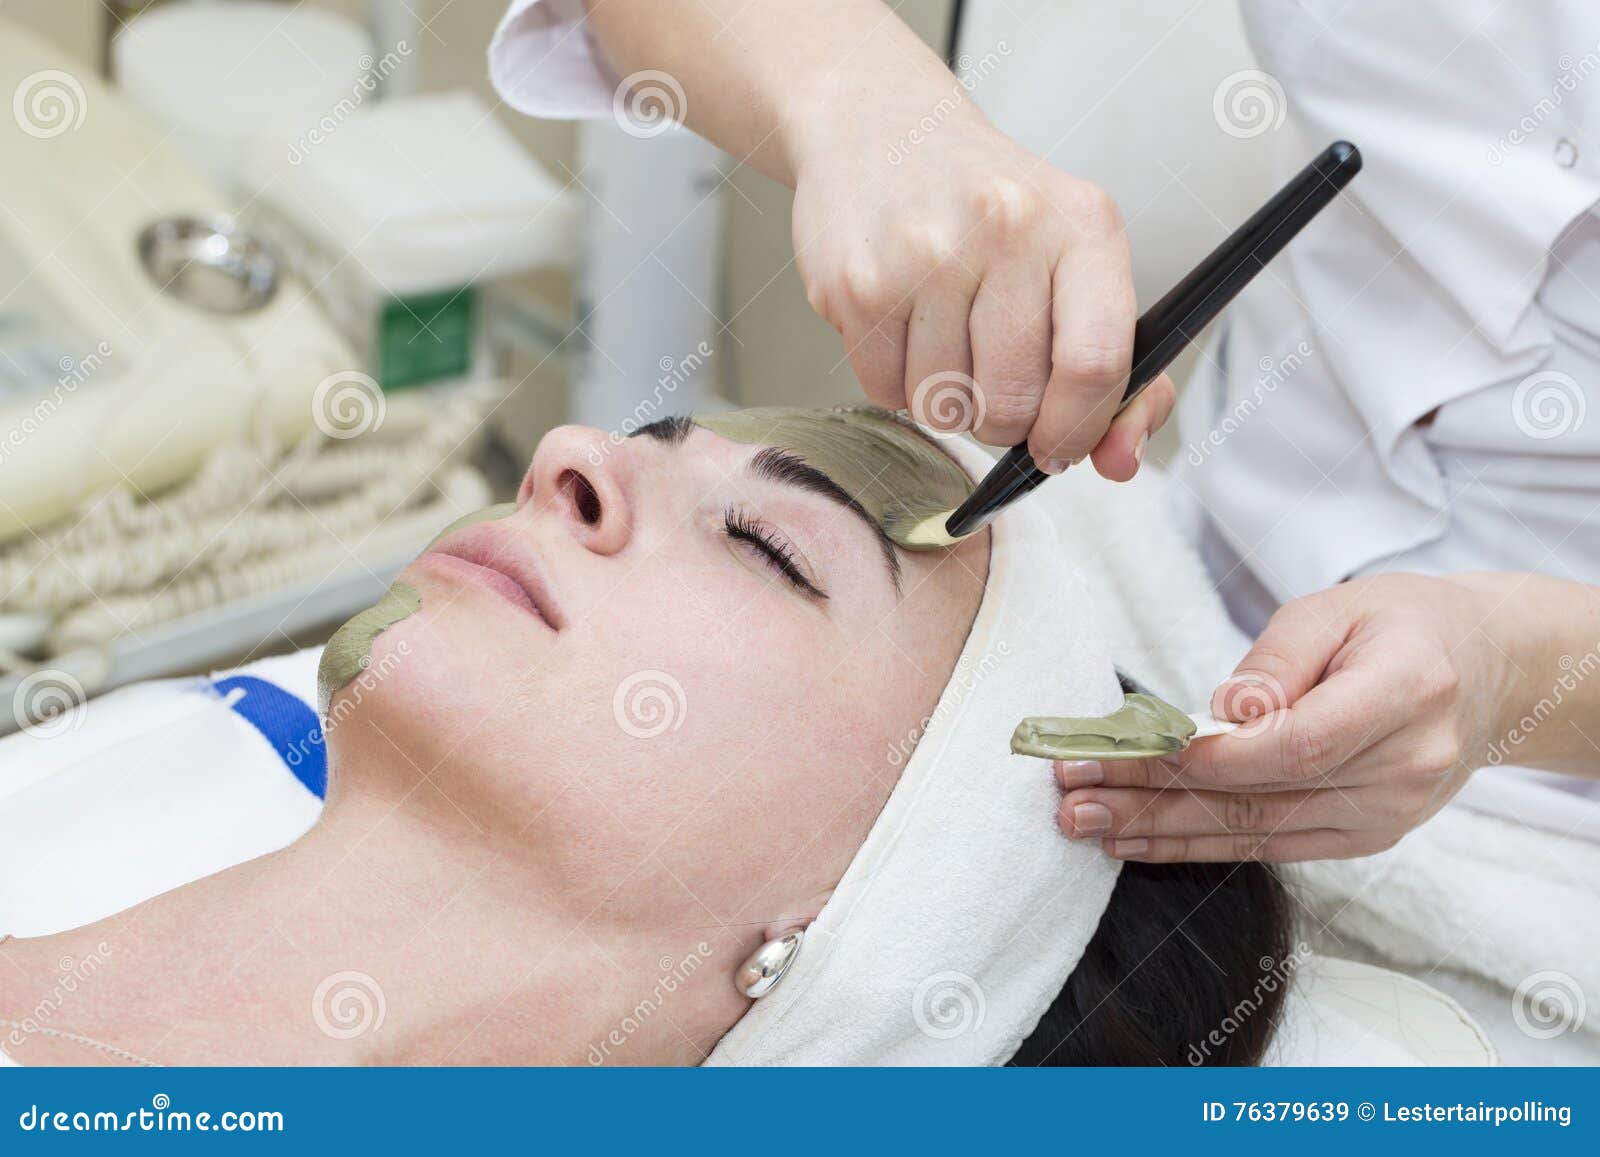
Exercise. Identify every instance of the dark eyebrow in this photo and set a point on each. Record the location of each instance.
(673, 431)
(786, 469)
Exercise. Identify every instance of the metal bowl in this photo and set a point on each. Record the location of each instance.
(209, 263)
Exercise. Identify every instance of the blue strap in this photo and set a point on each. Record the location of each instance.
(287, 722)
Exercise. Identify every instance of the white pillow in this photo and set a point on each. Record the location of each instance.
(1340, 1012)
(151, 786)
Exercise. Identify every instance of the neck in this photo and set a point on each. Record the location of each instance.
(400, 930)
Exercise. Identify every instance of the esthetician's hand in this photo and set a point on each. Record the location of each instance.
(942, 251)
(974, 283)
(1365, 708)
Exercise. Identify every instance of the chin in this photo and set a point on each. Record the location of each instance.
(436, 684)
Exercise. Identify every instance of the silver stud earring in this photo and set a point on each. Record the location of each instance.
(760, 974)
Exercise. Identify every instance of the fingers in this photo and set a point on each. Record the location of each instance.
(1176, 823)
(1364, 770)
(1320, 739)
(938, 382)
(877, 351)
(1047, 331)
(1120, 452)
(1124, 812)
(1091, 349)
(1281, 848)
(1010, 333)
(1288, 658)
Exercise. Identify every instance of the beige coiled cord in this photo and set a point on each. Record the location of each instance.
(248, 522)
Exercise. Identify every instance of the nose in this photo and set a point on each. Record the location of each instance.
(578, 479)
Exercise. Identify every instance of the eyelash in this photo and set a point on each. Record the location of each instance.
(741, 528)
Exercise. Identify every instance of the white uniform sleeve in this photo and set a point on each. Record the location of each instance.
(544, 62)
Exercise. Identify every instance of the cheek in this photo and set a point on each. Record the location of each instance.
(784, 781)
(727, 654)
(435, 680)
(704, 677)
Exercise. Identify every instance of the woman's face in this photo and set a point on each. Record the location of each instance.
(679, 673)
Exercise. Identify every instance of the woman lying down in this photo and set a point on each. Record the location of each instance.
(819, 849)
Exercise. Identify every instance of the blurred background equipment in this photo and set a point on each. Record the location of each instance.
(242, 384)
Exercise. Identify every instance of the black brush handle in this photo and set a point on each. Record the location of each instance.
(1174, 321)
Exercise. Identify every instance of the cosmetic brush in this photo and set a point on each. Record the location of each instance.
(1164, 330)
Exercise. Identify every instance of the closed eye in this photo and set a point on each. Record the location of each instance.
(779, 555)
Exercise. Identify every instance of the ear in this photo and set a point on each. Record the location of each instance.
(800, 919)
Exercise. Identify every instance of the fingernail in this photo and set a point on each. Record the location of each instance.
(1079, 774)
(1091, 819)
(1055, 465)
(1138, 451)
(1125, 848)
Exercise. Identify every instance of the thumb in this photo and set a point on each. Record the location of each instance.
(1287, 660)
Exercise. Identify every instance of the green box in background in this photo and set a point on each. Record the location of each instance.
(426, 337)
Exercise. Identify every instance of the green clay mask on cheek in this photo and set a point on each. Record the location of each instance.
(1143, 727)
(896, 473)
(349, 651)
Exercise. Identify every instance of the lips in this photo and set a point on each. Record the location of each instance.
(487, 557)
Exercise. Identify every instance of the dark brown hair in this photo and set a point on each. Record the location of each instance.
(1188, 967)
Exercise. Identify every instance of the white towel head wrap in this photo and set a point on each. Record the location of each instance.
(966, 909)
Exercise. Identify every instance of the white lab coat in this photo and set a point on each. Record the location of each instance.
(1409, 387)
(1456, 269)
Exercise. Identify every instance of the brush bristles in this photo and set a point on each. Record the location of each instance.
(926, 534)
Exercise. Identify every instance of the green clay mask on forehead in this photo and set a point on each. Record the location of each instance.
(900, 477)
(349, 651)
(1143, 727)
